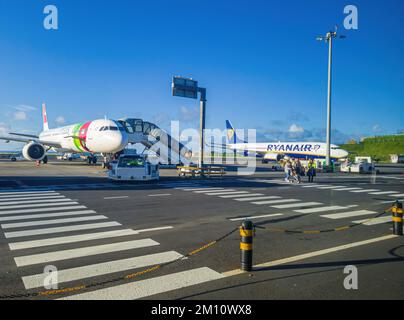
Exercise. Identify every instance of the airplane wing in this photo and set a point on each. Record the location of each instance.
(28, 139)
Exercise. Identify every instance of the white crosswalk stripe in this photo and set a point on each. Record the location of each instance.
(42, 209)
(57, 196)
(34, 232)
(46, 215)
(152, 286)
(364, 190)
(258, 198)
(210, 191)
(397, 195)
(70, 239)
(200, 189)
(25, 192)
(349, 214)
(226, 193)
(241, 195)
(257, 217)
(329, 187)
(321, 209)
(374, 221)
(83, 252)
(51, 221)
(275, 201)
(296, 205)
(7, 204)
(383, 192)
(347, 189)
(99, 269)
(38, 205)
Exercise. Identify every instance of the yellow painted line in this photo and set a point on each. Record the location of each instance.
(309, 255)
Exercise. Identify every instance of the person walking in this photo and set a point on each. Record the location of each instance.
(298, 170)
(311, 170)
(288, 169)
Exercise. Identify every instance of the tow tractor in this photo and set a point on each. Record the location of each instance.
(133, 168)
(361, 165)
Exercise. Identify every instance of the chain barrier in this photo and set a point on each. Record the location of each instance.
(122, 278)
(342, 228)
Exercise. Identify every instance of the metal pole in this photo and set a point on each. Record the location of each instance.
(328, 138)
(202, 125)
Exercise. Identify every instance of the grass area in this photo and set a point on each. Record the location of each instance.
(378, 148)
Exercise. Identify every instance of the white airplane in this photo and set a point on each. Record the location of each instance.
(97, 136)
(276, 151)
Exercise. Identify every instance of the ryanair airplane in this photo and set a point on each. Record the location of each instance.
(276, 151)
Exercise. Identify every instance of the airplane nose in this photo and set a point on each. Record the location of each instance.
(117, 142)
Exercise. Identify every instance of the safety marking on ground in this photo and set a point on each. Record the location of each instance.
(348, 214)
(320, 209)
(295, 205)
(275, 201)
(256, 217)
(116, 197)
(258, 198)
(160, 195)
(383, 192)
(152, 286)
(300, 257)
(375, 221)
(397, 195)
(364, 190)
(241, 195)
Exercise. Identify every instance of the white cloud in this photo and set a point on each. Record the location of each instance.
(188, 114)
(377, 128)
(60, 120)
(294, 128)
(20, 115)
(24, 107)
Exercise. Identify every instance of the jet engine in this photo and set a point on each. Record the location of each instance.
(34, 151)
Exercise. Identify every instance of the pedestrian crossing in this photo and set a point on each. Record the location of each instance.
(59, 233)
(291, 204)
(390, 193)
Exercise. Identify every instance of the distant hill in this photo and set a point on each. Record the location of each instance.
(377, 147)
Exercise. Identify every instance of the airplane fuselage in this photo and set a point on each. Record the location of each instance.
(98, 136)
(302, 150)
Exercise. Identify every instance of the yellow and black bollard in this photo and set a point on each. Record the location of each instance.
(246, 245)
(397, 211)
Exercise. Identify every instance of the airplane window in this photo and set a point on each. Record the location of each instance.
(113, 128)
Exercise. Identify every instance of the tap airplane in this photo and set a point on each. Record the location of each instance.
(276, 151)
(97, 136)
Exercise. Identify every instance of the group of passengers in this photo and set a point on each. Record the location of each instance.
(294, 170)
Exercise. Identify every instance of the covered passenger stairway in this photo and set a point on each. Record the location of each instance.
(155, 139)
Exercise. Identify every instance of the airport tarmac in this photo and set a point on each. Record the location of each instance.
(68, 215)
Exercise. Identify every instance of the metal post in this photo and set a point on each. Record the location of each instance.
(397, 212)
(202, 125)
(246, 245)
(328, 141)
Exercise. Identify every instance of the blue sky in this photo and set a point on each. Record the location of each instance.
(258, 60)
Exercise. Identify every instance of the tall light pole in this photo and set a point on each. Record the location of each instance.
(328, 38)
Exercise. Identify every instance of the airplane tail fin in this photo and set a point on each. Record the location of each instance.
(44, 118)
(231, 134)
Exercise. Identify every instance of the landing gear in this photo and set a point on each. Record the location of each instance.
(45, 160)
(92, 159)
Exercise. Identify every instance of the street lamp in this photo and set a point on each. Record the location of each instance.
(328, 38)
(188, 88)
